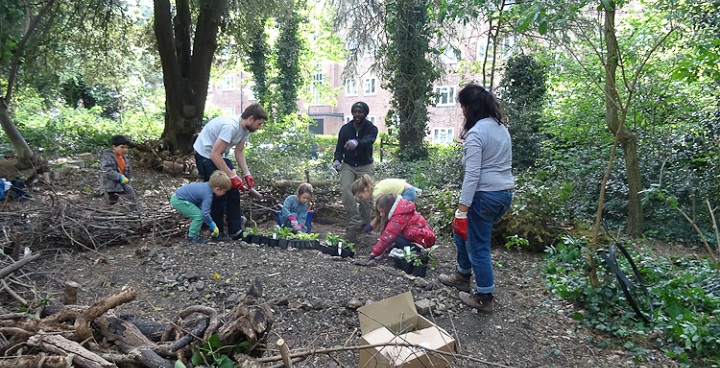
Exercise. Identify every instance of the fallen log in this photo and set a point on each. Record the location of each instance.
(40, 360)
(59, 345)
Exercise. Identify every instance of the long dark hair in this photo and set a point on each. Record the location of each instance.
(384, 203)
(479, 104)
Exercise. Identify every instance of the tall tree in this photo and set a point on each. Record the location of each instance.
(288, 49)
(572, 25)
(409, 73)
(186, 63)
(404, 33)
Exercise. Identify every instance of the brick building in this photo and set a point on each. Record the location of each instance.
(444, 119)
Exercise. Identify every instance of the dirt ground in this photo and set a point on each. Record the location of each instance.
(528, 328)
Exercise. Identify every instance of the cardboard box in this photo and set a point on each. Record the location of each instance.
(395, 320)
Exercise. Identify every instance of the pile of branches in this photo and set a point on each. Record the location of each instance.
(39, 225)
(94, 337)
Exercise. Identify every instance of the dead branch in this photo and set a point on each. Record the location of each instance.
(59, 345)
(40, 360)
(17, 265)
(82, 323)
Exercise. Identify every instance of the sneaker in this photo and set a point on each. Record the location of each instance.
(237, 235)
(195, 239)
(458, 280)
(481, 302)
(222, 237)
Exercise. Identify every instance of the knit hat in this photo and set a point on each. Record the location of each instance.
(361, 105)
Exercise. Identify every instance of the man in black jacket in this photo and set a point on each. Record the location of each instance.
(353, 158)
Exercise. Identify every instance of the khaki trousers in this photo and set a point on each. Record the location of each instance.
(357, 213)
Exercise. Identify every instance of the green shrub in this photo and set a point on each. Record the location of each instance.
(685, 295)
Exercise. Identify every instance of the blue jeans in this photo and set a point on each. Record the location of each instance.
(223, 206)
(410, 194)
(474, 255)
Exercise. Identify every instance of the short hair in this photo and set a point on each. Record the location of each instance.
(365, 182)
(304, 188)
(219, 179)
(118, 140)
(256, 111)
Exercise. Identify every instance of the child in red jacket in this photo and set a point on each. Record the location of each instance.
(400, 224)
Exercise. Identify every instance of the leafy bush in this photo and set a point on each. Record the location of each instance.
(685, 295)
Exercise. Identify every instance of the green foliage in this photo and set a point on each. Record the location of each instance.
(251, 231)
(288, 48)
(212, 354)
(515, 241)
(258, 51)
(523, 96)
(283, 232)
(684, 293)
(409, 74)
(332, 240)
(64, 130)
(538, 207)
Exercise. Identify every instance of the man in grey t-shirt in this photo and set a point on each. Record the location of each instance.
(211, 148)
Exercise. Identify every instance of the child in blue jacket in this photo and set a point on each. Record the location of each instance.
(295, 208)
(194, 200)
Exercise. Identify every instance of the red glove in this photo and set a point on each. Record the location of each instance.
(460, 224)
(250, 181)
(237, 183)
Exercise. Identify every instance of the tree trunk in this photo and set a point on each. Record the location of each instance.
(186, 69)
(23, 151)
(627, 138)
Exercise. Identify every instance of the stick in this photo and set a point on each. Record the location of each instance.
(70, 290)
(284, 353)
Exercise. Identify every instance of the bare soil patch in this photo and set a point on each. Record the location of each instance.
(528, 328)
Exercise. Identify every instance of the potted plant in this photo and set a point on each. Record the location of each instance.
(274, 239)
(251, 235)
(284, 235)
(335, 245)
(305, 241)
(331, 243)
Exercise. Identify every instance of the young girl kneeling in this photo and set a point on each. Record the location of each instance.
(295, 208)
(400, 224)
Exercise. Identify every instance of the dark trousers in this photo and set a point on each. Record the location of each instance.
(227, 206)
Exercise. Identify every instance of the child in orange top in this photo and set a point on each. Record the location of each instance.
(115, 166)
(400, 224)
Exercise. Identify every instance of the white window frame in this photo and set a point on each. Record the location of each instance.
(317, 81)
(351, 87)
(370, 86)
(449, 56)
(444, 95)
(228, 83)
(250, 93)
(482, 48)
(447, 134)
(228, 111)
(508, 46)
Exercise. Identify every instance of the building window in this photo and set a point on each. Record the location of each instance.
(250, 92)
(444, 96)
(450, 55)
(351, 87)
(228, 83)
(370, 85)
(508, 46)
(228, 111)
(349, 118)
(443, 135)
(483, 48)
(316, 83)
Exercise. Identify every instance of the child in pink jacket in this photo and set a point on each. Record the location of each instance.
(400, 224)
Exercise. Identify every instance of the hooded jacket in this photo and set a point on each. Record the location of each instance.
(366, 136)
(111, 172)
(405, 221)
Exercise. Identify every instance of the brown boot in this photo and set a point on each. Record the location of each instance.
(483, 303)
(458, 280)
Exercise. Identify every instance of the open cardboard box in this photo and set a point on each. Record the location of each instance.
(396, 321)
